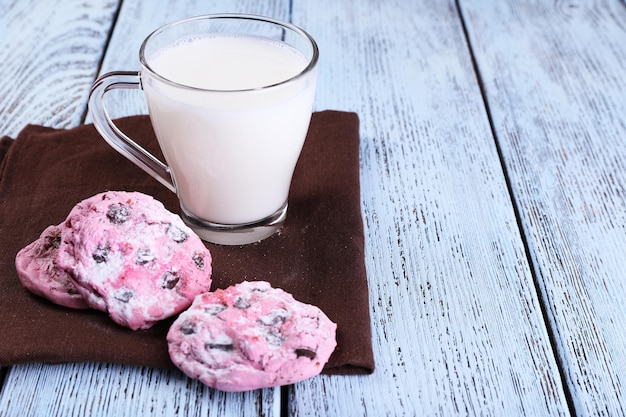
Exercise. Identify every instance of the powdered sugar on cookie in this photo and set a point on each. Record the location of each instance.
(132, 258)
(251, 336)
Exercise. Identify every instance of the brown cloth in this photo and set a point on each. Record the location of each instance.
(318, 256)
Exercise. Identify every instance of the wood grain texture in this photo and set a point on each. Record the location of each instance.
(117, 390)
(49, 54)
(457, 324)
(555, 80)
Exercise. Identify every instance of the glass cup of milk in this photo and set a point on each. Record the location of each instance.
(230, 99)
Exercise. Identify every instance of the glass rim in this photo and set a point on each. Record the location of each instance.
(312, 62)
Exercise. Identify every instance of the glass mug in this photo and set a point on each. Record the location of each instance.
(230, 98)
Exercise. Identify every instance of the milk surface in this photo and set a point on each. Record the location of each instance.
(231, 144)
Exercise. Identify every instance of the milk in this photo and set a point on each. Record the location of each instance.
(231, 145)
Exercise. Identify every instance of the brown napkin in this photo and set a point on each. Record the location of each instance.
(318, 256)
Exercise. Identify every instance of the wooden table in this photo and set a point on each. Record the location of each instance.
(493, 171)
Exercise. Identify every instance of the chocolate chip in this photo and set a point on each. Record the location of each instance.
(225, 347)
(198, 259)
(273, 336)
(273, 321)
(188, 327)
(169, 280)
(101, 254)
(52, 241)
(118, 213)
(177, 235)
(241, 303)
(215, 309)
(275, 318)
(124, 295)
(306, 353)
(144, 256)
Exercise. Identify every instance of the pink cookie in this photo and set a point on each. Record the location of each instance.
(36, 267)
(251, 336)
(132, 258)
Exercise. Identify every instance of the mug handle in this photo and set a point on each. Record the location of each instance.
(114, 136)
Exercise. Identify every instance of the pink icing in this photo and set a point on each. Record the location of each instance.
(132, 258)
(251, 336)
(37, 270)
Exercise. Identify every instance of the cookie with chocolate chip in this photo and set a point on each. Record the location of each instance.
(37, 270)
(132, 258)
(251, 336)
